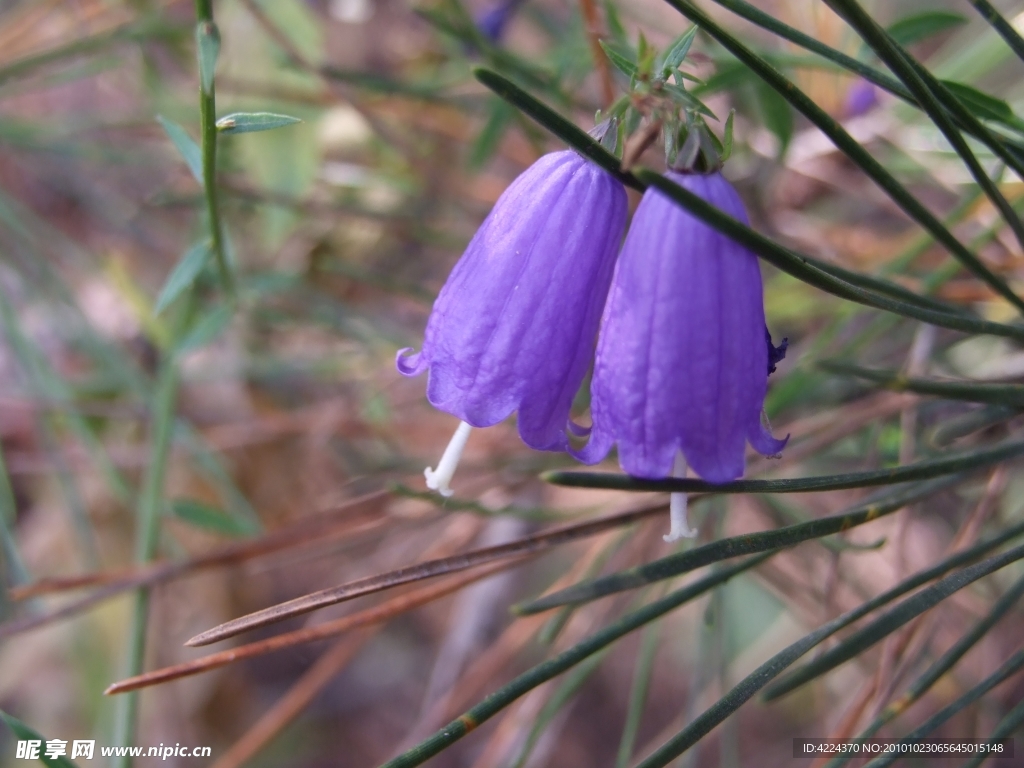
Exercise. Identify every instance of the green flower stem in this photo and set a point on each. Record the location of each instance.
(208, 130)
(148, 537)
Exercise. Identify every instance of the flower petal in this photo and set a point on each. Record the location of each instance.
(514, 326)
(681, 361)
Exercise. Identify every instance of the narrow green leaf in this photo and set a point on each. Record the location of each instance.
(960, 426)
(499, 117)
(723, 549)
(1011, 152)
(567, 659)
(939, 104)
(877, 630)
(983, 106)
(1000, 25)
(619, 60)
(920, 26)
(26, 733)
(921, 470)
(638, 693)
(248, 122)
(204, 516)
(562, 696)
(819, 274)
(759, 678)
(185, 145)
(776, 114)
(207, 50)
(727, 136)
(375, 82)
(183, 275)
(676, 52)
(611, 14)
(852, 149)
(971, 391)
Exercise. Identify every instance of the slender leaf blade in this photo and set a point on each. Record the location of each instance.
(209, 518)
(759, 678)
(920, 26)
(185, 145)
(207, 50)
(250, 122)
(723, 549)
(184, 274)
(619, 60)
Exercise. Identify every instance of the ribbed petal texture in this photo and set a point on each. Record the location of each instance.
(514, 326)
(682, 361)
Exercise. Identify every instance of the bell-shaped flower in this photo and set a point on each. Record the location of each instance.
(682, 360)
(514, 327)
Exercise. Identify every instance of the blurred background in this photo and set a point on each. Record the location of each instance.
(294, 452)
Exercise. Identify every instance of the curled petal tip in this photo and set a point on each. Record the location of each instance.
(410, 364)
(767, 445)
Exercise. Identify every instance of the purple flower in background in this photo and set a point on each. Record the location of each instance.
(682, 360)
(861, 97)
(513, 328)
(493, 22)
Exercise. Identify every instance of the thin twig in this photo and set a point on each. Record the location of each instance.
(208, 129)
(148, 536)
(536, 543)
(317, 529)
(365, 618)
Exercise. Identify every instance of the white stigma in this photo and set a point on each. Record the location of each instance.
(680, 526)
(438, 479)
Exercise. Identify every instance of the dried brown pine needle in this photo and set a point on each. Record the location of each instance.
(368, 617)
(527, 545)
(352, 517)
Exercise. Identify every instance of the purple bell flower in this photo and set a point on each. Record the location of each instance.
(513, 329)
(860, 98)
(682, 361)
